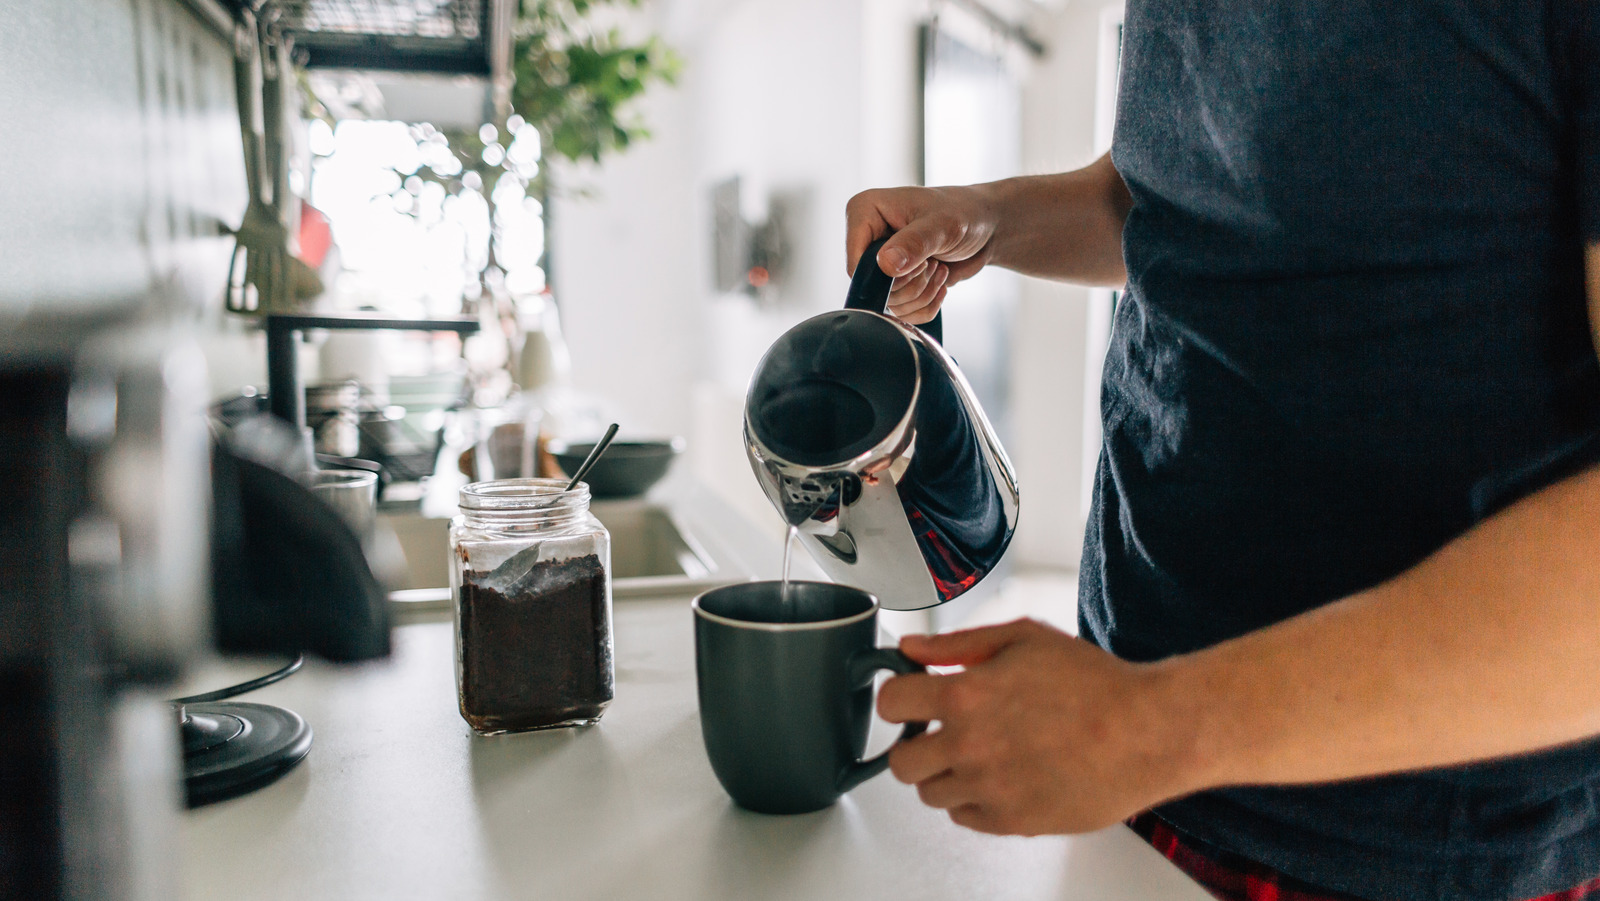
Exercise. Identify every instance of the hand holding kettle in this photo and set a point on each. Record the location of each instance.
(1066, 227)
(941, 236)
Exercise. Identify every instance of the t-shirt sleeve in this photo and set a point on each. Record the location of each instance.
(1582, 61)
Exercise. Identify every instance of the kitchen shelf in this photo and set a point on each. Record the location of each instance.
(457, 37)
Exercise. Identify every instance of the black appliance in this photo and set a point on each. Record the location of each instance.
(130, 540)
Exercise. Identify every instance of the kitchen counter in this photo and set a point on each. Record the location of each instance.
(398, 799)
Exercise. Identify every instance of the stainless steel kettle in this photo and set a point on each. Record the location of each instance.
(865, 435)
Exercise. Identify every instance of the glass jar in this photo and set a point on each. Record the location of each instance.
(530, 574)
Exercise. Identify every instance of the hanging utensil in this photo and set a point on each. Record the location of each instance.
(261, 63)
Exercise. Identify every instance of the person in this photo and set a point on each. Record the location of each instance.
(1340, 591)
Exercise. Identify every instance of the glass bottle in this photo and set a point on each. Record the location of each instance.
(530, 574)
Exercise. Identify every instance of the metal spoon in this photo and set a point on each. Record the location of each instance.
(594, 455)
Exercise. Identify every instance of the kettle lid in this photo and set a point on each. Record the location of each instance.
(832, 388)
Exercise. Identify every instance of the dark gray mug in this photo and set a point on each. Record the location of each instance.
(786, 691)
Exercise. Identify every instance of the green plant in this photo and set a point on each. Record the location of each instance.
(574, 82)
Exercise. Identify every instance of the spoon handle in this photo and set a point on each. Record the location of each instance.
(589, 461)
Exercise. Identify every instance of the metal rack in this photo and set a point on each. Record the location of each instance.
(457, 37)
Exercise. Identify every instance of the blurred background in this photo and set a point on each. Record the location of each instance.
(666, 257)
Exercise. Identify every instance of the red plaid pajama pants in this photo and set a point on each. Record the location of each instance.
(1233, 878)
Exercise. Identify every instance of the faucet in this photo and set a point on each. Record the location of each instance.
(285, 391)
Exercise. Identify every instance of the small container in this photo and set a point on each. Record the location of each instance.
(530, 574)
(352, 493)
(333, 411)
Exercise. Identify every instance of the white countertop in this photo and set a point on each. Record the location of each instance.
(398, 799)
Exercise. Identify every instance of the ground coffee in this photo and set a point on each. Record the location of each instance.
(536, 653)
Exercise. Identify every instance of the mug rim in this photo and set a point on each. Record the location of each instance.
(872, 608)
(339, 478)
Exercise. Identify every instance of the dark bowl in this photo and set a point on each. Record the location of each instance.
(626, 469)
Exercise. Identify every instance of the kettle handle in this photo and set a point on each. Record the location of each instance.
(869, 290)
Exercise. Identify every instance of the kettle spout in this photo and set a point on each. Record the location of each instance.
(814, 499)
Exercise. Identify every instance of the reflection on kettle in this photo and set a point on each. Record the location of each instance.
(865, 435)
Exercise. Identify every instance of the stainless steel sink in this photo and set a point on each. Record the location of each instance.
(653, 553)
(648, 542)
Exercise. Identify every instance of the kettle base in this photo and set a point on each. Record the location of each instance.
(231, 749)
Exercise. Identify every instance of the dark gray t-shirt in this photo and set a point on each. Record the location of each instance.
(1354, 327)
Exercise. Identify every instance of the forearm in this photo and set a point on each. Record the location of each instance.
(1489, 647)
(1066, 227)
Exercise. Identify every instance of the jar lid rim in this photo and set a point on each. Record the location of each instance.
(511, 493)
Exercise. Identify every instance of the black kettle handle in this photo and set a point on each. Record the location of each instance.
(869, 290)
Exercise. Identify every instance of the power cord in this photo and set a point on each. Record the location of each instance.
(246, 687)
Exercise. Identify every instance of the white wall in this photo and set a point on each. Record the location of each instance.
(626, 274)
(1058, 134)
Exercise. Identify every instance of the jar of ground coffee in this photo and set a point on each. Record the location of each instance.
(530, 571)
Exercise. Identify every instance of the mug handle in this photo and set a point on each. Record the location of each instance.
(869, 290)
(862, 666)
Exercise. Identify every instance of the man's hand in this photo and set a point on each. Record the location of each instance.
(941, 237)
(1041, 733)
(1066, 227)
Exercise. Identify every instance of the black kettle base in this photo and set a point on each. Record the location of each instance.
(230, 749)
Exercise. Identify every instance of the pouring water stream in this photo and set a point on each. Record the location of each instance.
(788, 554)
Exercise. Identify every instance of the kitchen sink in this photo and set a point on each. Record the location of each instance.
(653, 553)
